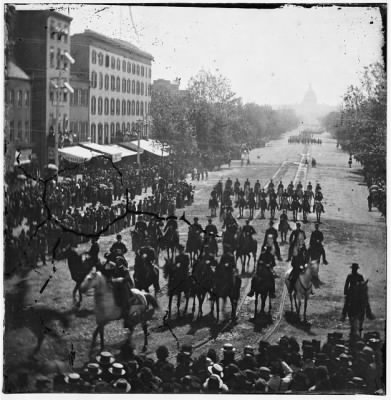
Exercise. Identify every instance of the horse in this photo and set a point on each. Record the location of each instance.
(230, 240)
(263, 287)
(169, 241)
(284, 204)
(303, 286)
(242, 204)
(225, 286)
(263, 206)
(247, 246)
(210, 243)
(193, 245)
(179, 282)
(357, 307)
(283, 228)
(78, 269)
(138, 240)
(145, 274)
(106, 309)
(272, 207)
(38, 318)
(306, 209)
(213, 204)
(318, 210)
(280, 191)
(203, 283)
(295, 207)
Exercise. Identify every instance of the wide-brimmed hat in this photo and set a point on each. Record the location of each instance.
(92, 370)
(228, 347)
(214, 380)
(216, 369)
(122, 385)
(105, 358)
(72, 378)
(117, 369)
(249, 350)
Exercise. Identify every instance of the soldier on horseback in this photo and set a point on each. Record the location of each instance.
(93, 253)
(274, 233)
(251, 202)
(293, 239)
(145, 258)
(230, 222)
(248, 230)
(210, 236)
(141, 227)
(300, 258)
(118, 245)
(182, 260)
(227, 265)
(351, 281)
(318, 197)
(316, 239)
(270, 186)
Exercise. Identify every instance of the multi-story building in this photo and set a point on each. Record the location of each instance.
(42, 50)
(120, 85)
(79, 108)
(18, 111)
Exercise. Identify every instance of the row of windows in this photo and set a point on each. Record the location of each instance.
(58, 96)
(57, 59)
(22, 97)
(22, 131)
(80, 128)
(115, 63)
(114, 84)
(59, 32)
(106, 131)
(113, 107)
(79, 97)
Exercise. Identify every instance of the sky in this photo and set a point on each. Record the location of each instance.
(269, 56)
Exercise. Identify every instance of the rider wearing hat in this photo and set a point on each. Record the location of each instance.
(145, 257)
(293, 239)
(196, 227)
(141, 226)
(248, 229)
(182, 260)
(299, 259)
(273, 231)
(351, 281)
(211, 234)
(118, 245)
(227, 263)
(230, 222)
(316, 239)
(93, 252)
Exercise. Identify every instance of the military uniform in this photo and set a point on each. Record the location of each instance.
(273, 231)
(265, 265)
(298, 260)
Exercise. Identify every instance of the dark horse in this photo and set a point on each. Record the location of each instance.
(263, 207)
(193, 245)
(306, 209)
(229, 240)
(357, 307)
(79, 269)
(145, 274)
(264, 282)
(295, 206)
(179, 282)
(37, 318)
(169, 241)
(247, 246)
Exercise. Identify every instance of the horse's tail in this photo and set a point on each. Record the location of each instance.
(152, 301)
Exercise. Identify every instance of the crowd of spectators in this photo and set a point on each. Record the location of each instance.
(337, 366)
(304, 139)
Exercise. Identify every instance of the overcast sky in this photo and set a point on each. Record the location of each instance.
(270, 56)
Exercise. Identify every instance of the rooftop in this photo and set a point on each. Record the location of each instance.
(14, 72)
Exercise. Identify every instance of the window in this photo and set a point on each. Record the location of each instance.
(112, 63)
(123, 127)
(150, 72)
(86, 128)
(128, 107)
(19, 98)
(123, 85)
(26, 98)
(118, 107)
(93, 79)
(133, 68)
(93, 133)
(112, 131)
(83, 97)
(59, 33)
(137, 108)
(118, 64)
(58, 59)
(141, 108)
(138, 70)
(52, 57)
(76, 97)
(100, 80)
(106, 133)
(133, 86)
(93, 57)
(79, 95)
(75, 127)
(106, 106)
(100, 133)
(142, 71)
(128, 127)
(112, 106)
(142, 88)
(118, 84)
(65, 33)
(123, 107)
(138, 87)
(53, 31)
(11, 96)
(133, 107)
(12, 131)
(149, 89)
(71, 100)
(20, 132)
(100, 105)
(123, 66)
(107, 63)
(117, 127)
(93, 105)
(129, 67)
(100, 59)
(112, 82)
(65, 95)
(107, 82)
(128, 85)
(149, 108)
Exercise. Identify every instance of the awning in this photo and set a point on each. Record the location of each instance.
(124, 151)
(130, 146)
(151, 146)
(77, 154)
(106, 150)
(22, 156)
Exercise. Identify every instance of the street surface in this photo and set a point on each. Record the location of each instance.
(352, 234)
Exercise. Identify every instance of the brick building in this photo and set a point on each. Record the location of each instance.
(79, 108)
(119, 76)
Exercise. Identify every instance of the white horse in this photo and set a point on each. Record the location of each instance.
(106, 309)
(303, 286)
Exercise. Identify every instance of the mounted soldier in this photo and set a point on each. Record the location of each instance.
(141, 227)
(274, 233)
(227, 266)
(300, 258)
(210, 237)
(316, 240)
(145, 258)
(93, 253)
(293, 239)
(118, 245)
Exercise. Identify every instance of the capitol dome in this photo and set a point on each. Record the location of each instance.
(310, 97)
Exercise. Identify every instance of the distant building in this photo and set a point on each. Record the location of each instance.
(18, 105)
(119, 75)
(173, 87)
(42, 48)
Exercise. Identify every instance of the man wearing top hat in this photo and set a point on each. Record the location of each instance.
(352, 280)
(210, 236)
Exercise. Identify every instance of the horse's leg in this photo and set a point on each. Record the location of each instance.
(270, 303)
(76, 288)
(145, 330)
(305, 308)
(102, 337)
(256, 305)
(178, 304)
(187, 296)
(217, 309)
(290, 296)
(169, 305)
(94, 335)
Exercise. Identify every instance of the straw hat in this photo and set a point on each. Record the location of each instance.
(122, 385)
(117, 370)
(105, 359)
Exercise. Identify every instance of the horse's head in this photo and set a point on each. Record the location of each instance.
(91, 280)
(314, 269)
